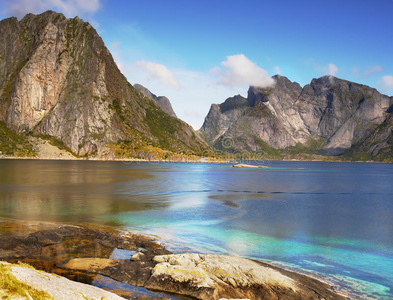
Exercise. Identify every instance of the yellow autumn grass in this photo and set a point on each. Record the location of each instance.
(11, 287)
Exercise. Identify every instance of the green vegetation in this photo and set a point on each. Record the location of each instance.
(11, 287)
(128, 150)
(269, 152)
(237, 102)
(229, 147)
(161, 126)
(13, 144)
(313, 146)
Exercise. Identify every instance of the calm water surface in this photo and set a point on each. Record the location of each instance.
(332, 219)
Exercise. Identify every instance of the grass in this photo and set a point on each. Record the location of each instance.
(11, 287)
(14, 144)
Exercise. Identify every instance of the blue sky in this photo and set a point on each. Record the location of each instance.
(201, 52)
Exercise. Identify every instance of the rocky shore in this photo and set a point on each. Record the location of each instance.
(86, 254)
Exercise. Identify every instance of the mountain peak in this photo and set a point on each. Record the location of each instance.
(162, 101)
(58, 79)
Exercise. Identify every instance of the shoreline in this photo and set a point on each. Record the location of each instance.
(48, 233)
(200, 161)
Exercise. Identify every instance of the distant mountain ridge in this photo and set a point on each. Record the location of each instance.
(329, 115)
(58, 80)
(162, 101)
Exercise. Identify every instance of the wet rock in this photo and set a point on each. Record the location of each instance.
(81, 253)
(138, 257)
(131, 272)
(89, 264)
(45, 238)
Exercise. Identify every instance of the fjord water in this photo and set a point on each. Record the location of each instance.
(334, 220)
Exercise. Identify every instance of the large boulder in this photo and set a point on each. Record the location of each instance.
(218, 276)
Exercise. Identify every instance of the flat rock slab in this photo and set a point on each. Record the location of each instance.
(60, 287)
(218, 276)
(249, 166)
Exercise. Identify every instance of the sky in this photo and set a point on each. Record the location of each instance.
(201, 52)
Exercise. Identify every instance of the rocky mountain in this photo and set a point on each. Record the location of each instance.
(329, 114)
(162, 101)
(58, 80)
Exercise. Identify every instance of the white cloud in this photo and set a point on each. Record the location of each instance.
(332, 70)
(242, 71)
(197, 93)
(367, 72)
(71, 8)
(373, 70)
(160, 72)
(385, 83)
(277, 70)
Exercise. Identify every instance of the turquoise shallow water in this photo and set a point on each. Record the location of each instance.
(329, 219)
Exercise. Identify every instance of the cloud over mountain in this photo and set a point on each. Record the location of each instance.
(242, 71)
(386, 83)
(332, 70)
(159, 72)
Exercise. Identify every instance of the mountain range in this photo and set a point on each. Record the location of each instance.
(329, 116)
(59, 82)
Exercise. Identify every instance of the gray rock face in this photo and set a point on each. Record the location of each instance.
(378, 145)
(221, 117)
(162, 101)
(341, 112)
(57, 78)
(335, 112)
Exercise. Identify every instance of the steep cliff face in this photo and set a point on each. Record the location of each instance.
(378, 145)
(330, 114)
(58, 79)
(221, 117)
(341, 112)
(267, 116)
(162, 101)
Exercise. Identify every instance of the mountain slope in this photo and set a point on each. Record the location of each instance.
(329, 114)
(162, 101)
(58, 79)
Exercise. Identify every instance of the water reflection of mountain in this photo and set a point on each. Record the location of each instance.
(72, 191)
